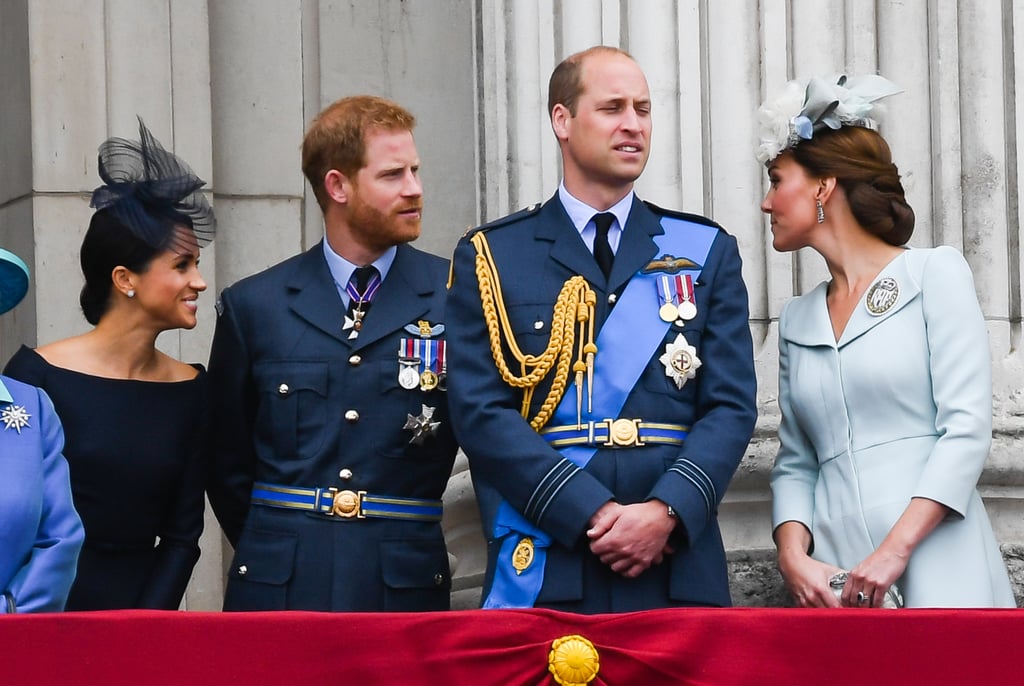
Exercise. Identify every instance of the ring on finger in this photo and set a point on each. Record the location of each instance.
(862, 597)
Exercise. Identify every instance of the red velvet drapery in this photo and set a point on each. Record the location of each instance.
(511, 647)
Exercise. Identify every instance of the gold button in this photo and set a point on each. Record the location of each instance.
(438, 579)
(345, 474)
(355, 360)
(351, 416)
(283, 389)
(243, 570)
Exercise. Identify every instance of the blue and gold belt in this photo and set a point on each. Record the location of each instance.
(346, 504)
(615, 433)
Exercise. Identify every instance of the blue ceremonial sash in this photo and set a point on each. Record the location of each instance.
(632, 327)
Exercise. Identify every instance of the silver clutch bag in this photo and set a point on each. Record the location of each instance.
(893, 599)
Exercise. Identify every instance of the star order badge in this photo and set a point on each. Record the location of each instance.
(680, 360)
(15, 417)
(421, 426)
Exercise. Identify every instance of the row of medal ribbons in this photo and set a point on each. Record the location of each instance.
(422, 362)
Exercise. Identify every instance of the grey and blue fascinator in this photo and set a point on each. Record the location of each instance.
(152, 191)
(13, 280)
(804, 109)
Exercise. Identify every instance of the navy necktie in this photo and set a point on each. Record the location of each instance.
(602, 248)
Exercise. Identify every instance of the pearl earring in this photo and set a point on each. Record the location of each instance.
(821, 212)
(130, 293)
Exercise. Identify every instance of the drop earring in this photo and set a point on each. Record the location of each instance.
(821, 212)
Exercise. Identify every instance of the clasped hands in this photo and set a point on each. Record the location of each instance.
(807, 580)
(631, 538)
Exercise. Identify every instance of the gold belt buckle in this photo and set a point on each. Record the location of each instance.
(623, 433)
(348, 504)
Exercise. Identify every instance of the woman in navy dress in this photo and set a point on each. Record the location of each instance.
(134, 416)
(40, 532)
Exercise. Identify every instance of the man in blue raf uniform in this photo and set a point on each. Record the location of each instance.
(602, 380)
(331, 442)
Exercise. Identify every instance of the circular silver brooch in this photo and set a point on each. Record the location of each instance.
(882, 295)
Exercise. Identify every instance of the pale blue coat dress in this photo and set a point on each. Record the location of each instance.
(899, 408)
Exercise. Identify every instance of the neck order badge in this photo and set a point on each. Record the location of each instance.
(361, 288)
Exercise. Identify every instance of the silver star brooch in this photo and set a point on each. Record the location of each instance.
(14, 417)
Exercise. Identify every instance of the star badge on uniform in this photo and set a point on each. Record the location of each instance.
(680, 360)
(421, 426)
(14, 417)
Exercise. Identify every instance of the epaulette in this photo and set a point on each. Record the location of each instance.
(506, 220)
(686, 216)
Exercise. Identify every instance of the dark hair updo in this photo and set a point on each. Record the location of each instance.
(108, 244)
(861, 162)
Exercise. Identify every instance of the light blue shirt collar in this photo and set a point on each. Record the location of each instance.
(581, 214)
(5, 395)
(341, 269)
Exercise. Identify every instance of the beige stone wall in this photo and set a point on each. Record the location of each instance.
(231, 84)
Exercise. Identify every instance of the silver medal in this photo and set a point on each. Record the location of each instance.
(408, 377)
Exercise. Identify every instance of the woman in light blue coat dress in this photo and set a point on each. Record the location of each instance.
(884, 374)
(40, 532)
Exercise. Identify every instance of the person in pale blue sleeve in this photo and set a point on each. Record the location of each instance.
(40, 531)
(885, 382)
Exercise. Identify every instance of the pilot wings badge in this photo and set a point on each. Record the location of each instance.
(669, 264)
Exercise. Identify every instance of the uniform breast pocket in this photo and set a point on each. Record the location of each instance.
(292, 415)
(531, 325)
(418, 370)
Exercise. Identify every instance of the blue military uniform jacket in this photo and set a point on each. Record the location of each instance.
(297, 403)
(40, 531)
(535, 253)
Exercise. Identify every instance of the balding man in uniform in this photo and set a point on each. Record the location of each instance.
(601, 375)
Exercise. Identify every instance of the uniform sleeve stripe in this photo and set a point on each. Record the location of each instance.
(703, 492)
(547, 503)
(548, 488)
(700, 474)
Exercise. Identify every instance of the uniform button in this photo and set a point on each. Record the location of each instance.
(345, 474)
(612, 298)
(438, 579)
(351, 416)
(538, 325)
(243, 570)
(283, 389)
(355, 360)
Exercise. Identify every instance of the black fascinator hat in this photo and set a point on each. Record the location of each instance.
(151, 191)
